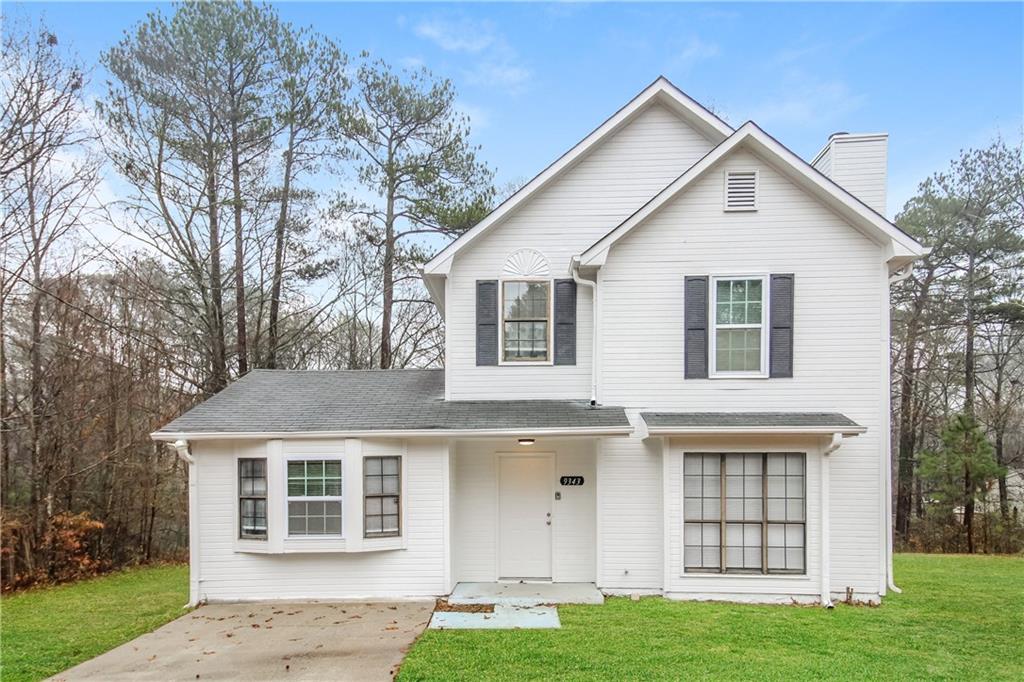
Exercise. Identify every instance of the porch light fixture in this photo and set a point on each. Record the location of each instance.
(527, 441)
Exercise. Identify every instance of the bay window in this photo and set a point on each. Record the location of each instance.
(314, 497)
(744, 513)
(252, 498)
(381, 496)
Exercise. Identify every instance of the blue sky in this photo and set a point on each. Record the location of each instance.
(535, 78)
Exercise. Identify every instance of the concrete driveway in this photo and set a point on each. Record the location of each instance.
(268, 641)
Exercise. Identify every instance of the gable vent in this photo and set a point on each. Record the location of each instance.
(741, 190)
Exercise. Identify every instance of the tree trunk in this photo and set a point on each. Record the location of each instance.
(279, 236)
(219, 371)
(905, 465)
(389, 277)
(969, 370)
(969, 509)
(236, 186)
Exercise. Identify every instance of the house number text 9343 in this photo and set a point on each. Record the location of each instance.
(570, 480)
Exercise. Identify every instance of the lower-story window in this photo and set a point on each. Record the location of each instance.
(252, 498)
(744, 513)
(382, 495)
(314, 497)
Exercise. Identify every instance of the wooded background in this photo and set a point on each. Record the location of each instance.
(246, 195)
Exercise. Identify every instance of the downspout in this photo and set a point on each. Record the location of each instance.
(826, 577)
(895, 278)
(574, 267)
(182, 447)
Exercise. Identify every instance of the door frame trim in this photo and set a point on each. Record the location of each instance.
(551, 457)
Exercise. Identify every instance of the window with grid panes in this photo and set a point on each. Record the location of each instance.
(252, 498)
(314, 497)
(744, 512)
(382, 485)
(525, 329)
(738, 321)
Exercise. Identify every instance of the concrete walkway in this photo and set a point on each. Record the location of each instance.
(525, 594)
(268, 641)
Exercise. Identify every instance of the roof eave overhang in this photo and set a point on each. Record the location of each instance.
(171, 436)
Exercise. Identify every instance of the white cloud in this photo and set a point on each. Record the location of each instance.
(695, 50)
(457, 36)
(499, 74)
(495, 63)
(806, 102)
(478, 117)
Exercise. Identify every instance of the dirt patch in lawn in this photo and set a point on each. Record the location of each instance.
(443, 605)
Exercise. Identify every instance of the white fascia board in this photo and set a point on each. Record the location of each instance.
(758, 430)
(439, 433)
(858, 214)
(660, 90)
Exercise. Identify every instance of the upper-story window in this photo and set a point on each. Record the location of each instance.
(526, 316)
(738, 341)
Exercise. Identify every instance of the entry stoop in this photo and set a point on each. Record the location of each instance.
(525, 594)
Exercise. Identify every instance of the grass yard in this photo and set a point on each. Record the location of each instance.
(959, 617)
(47, 630)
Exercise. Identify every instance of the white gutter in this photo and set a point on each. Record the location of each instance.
(826, 577)
(623, 430)
(574, 267)
(780, 430)
(182, 448)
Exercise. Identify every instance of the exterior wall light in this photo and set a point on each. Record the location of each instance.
(527, 441)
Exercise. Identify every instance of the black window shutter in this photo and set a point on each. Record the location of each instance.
(695, 344)
(780, 339)
(565, 322)
(486, 322)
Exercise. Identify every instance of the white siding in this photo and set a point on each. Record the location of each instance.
(474, 512)
(839, 298)
(630, 514)
(418, 570)
(572, 213)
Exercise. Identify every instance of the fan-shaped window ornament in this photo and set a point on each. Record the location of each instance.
(527, 263)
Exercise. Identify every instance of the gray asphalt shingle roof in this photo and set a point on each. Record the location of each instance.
(822, 420)
(284, 401)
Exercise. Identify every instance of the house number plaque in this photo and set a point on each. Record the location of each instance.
(571, 480)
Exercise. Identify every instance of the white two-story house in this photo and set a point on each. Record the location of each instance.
(666, 372)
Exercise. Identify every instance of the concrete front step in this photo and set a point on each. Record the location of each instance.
(525, 594)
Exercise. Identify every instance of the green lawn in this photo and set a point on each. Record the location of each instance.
(958, 618)
(47, 630)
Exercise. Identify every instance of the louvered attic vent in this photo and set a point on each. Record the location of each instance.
(741, 190)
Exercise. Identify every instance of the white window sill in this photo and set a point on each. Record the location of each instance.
(795, 577)
(321, 545)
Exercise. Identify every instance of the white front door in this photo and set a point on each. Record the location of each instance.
(525, 484)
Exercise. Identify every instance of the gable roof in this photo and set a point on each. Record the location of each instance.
(660, 91)
(856, 212)
(286, 403)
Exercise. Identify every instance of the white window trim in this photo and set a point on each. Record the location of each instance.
(322, 498)
(250, 544)
(725, 191)
(713, 326)
(692, 575)
(501, 322)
